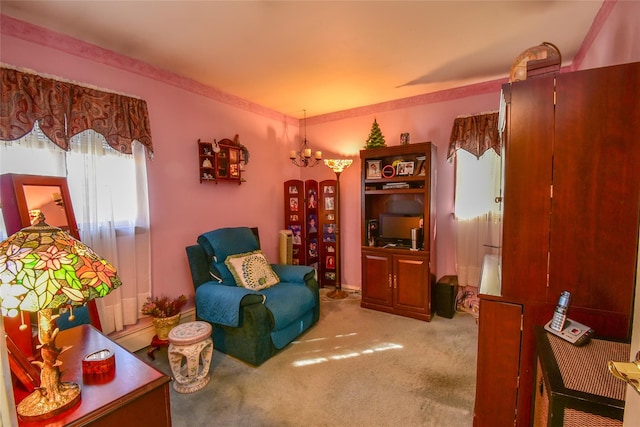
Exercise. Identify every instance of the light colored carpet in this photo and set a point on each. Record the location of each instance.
(356, 367)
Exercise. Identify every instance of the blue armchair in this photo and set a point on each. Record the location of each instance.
(250, 324)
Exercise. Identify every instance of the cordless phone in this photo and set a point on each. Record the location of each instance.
(570, 330)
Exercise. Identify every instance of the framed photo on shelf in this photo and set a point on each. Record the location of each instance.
(372, 232)
(420, 166)
(404, 169)
(374, 169)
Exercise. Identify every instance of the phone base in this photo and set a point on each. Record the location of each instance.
(574, 332)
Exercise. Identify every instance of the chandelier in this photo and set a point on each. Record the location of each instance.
(303, 158)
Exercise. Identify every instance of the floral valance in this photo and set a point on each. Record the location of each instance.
(64, 109)
(475, 134)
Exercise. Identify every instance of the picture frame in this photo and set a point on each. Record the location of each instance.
(312, 199)
(420, 167)
(313, 248)
(329, 203)
(330, 262)
(328, 232)
(374, 169)
(296, 230)
(293, 204)
(372, 232)
(312, 224)
(404, 169)
(329, 189)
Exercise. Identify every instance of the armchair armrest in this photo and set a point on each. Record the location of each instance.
(293, 273)
(217, 303)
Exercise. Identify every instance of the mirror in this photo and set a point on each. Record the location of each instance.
(46, 199)
(21, 197)
(24, 196)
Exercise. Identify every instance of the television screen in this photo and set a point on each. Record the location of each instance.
(396, 228)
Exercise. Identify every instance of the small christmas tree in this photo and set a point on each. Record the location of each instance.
(376, 139)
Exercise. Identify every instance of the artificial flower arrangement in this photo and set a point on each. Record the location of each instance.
(163, 306)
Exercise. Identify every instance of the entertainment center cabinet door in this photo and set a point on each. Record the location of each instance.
(411, 285)
(377, 279)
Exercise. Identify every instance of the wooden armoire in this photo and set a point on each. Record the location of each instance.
(571, 206)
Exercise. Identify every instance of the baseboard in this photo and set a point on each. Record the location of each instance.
(139, 336)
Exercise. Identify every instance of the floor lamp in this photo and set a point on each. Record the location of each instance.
(338, 166)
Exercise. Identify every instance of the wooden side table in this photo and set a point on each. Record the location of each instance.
(136, 391)
(573, 386)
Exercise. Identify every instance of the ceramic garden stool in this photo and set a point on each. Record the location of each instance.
(190, 351)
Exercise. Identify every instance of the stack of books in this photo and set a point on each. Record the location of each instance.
(394, 185)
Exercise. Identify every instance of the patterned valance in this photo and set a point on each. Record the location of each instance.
(64, 109)
(475, 134)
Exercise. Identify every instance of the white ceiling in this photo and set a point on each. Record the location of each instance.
(321, 56)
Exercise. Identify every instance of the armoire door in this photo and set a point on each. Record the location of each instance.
(499, 336)
(527, 183)
(596, 191)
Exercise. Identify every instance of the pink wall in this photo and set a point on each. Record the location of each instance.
(181, 111)
(181, 207)
(613, 38)
(429, 121)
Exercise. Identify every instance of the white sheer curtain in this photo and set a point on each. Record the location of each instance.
(478, 216)
(110, 201)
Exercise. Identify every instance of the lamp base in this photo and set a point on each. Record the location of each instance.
(38, 406)
(337, 294)
(53, 396)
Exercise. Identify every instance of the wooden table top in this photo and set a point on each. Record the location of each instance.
(99, 394)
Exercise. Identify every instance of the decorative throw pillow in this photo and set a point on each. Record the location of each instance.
(252, 270)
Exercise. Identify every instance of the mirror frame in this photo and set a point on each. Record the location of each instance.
(16, 212)
(14, 202)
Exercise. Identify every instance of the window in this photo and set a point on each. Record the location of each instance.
(109, 197)
(477, 184)
(478, 216)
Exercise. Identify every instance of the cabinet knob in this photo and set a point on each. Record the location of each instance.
(390, 284)
(395, 282)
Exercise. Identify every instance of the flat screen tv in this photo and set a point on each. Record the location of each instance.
(396, 228)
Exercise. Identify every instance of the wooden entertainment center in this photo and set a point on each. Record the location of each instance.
(398, 182)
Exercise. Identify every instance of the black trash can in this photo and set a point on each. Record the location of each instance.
(445, 293)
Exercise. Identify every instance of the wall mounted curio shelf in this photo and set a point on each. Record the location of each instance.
(221, 161)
